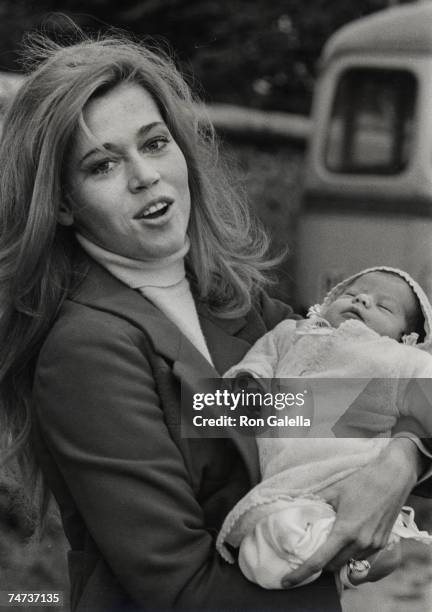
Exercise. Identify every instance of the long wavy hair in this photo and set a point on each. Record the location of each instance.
(39, 266)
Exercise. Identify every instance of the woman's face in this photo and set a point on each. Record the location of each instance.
(131, 196)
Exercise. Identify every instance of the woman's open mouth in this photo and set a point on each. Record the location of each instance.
(155, 209)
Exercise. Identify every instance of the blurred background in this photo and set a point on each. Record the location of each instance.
(248, 52)
(243, 58)
(255, 64)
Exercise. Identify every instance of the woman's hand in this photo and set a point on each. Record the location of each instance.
(367, 504)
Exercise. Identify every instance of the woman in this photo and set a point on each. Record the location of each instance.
(109, 193)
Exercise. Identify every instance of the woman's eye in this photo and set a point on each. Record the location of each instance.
(103, 167)
(156, 144)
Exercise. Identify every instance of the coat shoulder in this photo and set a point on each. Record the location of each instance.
(273, 311)
(79, 323)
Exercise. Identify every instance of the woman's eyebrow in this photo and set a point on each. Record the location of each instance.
(106, 146)
(143, 131)
(147, 128)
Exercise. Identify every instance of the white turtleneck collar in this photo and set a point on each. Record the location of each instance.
(137, 273)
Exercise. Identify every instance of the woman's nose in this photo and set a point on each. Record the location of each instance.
(142, 175)
(364, 299)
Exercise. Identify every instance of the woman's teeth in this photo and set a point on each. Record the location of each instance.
(155, 210)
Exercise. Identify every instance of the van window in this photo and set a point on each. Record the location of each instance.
(372, 121)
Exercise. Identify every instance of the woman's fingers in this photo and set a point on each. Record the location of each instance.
(315, 563)
(367, 504)
(355, 550)
(342, 545)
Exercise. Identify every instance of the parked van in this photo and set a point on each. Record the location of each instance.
(368, 184)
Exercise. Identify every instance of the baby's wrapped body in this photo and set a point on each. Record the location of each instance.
(284, 519)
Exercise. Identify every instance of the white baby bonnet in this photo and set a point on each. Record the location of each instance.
(425, 305)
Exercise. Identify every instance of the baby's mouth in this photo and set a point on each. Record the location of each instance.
(353, 314)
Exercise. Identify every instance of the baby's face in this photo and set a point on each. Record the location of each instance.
(383, 301)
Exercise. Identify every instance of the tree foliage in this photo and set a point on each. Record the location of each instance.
(249, 52)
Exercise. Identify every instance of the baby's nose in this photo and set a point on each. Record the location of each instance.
(364, 299)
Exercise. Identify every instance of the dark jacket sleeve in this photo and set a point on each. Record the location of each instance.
(100, 416)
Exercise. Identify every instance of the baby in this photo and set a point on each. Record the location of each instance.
(371, 326)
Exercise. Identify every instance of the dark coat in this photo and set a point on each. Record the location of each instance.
(141, 504)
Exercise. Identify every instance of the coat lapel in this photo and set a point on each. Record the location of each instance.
(102, 291)
(225, 347)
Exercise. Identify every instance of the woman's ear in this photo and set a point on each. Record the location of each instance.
(65, 215)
